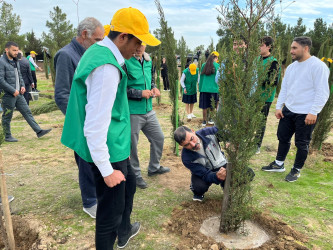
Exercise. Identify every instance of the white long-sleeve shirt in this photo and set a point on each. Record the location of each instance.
(102, 85)
(33, 62)
(305, 87)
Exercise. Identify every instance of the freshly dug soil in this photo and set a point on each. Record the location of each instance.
(187, 220)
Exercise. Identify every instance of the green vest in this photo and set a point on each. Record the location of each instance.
(139, 77)
(119, 132)
(207, 83)
(190, 82)
(32, 67)
(269, 91)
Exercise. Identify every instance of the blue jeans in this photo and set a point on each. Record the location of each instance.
(86, 182)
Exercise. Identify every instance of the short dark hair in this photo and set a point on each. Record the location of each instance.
(240, 38)
(268, 41)
(10, 44)
(113, 35)
(180, 134)
(303, 41)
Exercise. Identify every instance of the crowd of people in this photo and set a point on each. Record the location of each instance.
(105, 84)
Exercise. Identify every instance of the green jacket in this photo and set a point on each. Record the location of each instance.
(32, 67)
(269, 91)
(139, 78)
(190, 82)
(119, 132)
(207, 83)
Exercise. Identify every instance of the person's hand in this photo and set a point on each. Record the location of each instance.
(278, 114)
(185, 91)
(32, 85)
(16, 93)
(114, 179)
(146, 94)
(22, 90)
(156, 92)
(40, 69)
(221, 174)
(310, 119)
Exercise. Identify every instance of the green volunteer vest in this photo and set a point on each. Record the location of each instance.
(139, 77)
(119, 132)
(190, 82)
(207, 83)
(32, 67)
(268, 89)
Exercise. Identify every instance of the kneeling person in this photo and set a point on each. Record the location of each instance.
(202, 155)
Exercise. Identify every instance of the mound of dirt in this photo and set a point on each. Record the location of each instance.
(187, 220)
(327, 149)
(28, 234)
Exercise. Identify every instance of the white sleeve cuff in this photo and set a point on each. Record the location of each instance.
(105, 168)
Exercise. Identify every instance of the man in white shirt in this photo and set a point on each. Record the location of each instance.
(33, 67)
(303, 95)
(97, 124)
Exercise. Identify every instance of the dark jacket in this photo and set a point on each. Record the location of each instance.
(65, 63)
(205, 167)
(164, 70)
(7, 75)
(26, 72)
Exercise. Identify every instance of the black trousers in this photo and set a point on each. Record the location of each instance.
(114, 206)
(265, 112)
(27, 94)
(33, 73)
(291, 124)
(166, 82)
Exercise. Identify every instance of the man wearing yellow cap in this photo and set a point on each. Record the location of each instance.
(33, 67)
(189, 81)
(97, 124)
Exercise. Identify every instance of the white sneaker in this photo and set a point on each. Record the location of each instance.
(189, 117)
(193, 116)
(91, 211)
(211, 122)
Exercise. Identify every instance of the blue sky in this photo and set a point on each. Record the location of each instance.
(193, 19)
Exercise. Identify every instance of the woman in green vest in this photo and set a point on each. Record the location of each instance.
(208, 87)
(189, 81)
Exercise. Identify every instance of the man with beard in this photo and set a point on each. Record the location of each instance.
(89, 31)
(303, 94)
(97, 124)
(202, 155)
(13, 85)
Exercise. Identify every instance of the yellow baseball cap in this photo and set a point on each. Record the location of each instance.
(193, 68)
(216, 53)
(33, 52)
(132, 21)
(107, 28)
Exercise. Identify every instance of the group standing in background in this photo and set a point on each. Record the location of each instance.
(164, 73)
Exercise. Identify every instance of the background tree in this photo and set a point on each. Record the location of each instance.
(170, 55)
(240, 96)
(319, 35)
(182, 48)
(10, 25)
(325, 119)
(60, 33)
(33, 43)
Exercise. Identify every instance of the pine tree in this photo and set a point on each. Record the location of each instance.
(240, 118)
(61, 31)
(10, 25)
(33, 43)
(170, 55)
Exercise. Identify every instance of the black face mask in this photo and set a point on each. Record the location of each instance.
(19, 56)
